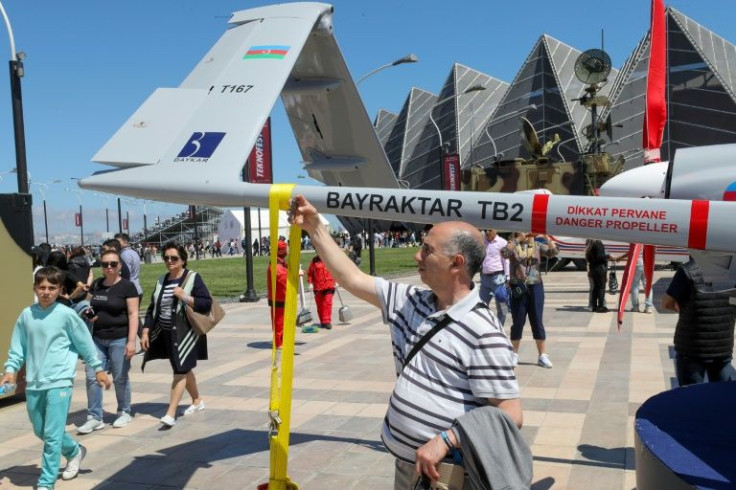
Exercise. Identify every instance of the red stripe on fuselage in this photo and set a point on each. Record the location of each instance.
(698, 224)
(539, 213)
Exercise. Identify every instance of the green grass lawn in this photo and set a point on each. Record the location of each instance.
(225, 277)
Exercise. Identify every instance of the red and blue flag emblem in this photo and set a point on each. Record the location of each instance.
(277, 52)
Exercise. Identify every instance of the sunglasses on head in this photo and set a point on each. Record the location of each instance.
(171, 258)
(113, 264)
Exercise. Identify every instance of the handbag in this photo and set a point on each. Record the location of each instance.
(345, 314)
(612, 281)
(202, 323)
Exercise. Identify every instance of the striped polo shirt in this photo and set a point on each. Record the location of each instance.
(463, 365)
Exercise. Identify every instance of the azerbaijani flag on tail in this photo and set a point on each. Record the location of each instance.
(276, 52)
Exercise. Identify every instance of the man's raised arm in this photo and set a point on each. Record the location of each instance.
(345, 272)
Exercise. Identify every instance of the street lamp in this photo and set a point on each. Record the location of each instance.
(43, 187)
(16, 72)
(105, 198)
(409, 58)
(474, 88)
(78, 193)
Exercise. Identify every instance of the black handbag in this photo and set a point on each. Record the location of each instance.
(612, 281)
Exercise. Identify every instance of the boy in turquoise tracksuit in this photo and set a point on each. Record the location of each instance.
(49, 337)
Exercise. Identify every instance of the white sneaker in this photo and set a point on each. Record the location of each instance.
(514, 359)
(122, 421)
(543, 361)
(168, 420)
(195, 408)
(72, 466)
(648, 309)
(90, 425)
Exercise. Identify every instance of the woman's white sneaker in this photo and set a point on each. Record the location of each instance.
(544, 361)
(195, 408)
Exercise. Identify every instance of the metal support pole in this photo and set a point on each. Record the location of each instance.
(249, 296)
(107, 219)
(45, 221)
(371, 249)
(81, 224)
(16, 71)
(120, 217)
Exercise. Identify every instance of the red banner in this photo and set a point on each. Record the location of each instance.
(655, 111)
(259, 161)
(78, 219)
(125, 224)
(452, 171)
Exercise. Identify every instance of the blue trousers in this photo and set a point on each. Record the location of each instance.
(495, 287)
(692, 370)
(531, 304)
(48, 410)
(112, 353)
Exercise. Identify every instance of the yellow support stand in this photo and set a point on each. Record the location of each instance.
(279, 406)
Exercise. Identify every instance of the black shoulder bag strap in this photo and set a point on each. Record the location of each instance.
(428, 336)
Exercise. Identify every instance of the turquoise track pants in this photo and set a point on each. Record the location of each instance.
(48, 410)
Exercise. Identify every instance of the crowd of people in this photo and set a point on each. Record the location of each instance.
(456, 386)
(77, 315)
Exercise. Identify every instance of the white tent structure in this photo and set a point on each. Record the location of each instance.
(232, 224)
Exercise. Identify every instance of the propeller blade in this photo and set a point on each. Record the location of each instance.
(627, 280)
(649, 255)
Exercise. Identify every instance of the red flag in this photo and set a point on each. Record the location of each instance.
(260, 159)
(125, 224)
(452, 171)
(77, 219)
(655, 110)
(627, 280)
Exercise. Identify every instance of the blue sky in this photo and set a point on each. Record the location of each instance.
(90, 65)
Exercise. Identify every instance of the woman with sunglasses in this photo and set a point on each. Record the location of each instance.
(164, 337)
(114, 315)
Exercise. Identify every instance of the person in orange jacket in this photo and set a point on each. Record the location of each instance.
(324, 290)
(277, 303)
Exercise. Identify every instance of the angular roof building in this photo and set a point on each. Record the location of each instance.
(457, 118)
(384, 123)
(701, 92)
(546, 92)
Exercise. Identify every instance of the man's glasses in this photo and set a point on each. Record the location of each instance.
(171, 258)
(112, 264)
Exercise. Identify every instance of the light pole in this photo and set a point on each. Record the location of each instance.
(78, 193)
(474, 88)
(16, 73)
(43, 187)
(120, 217)
(107, 209)
(409, 58)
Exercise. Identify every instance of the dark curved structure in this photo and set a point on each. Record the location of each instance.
(685, 438)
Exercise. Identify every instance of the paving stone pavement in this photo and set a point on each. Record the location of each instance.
(578, 416)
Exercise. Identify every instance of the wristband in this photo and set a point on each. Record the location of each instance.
(443, 434)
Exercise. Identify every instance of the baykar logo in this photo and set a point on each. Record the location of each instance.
(199, 147)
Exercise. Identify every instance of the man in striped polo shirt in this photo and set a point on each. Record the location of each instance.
(466, 365)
